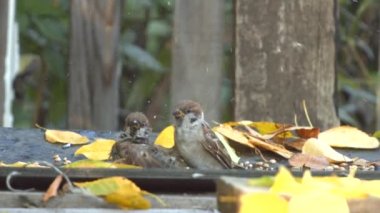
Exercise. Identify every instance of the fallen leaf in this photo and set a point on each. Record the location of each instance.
(263, 202)
(348, 137)
(285, 184)
(231, 152)
(238, 123)
(59, 136)
(270, 146)
(264, 181)
(21, 164)
(166, 138)
(318, 201)
(376, 134)
(117, 190)
(313, 162)
(129, 199)
(86, 163)
(271, 128)
(315, 147)
(53, 188)
(307, 132)
(100, 149)
(296, 144)
(232, 134)
(105, 186)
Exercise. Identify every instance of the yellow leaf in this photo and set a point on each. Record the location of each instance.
(231, 152)
(238, 123)
(263, 202)
(128, 200)
(86, 163)
(315, 147)
(166, 138)
(105, 186)
(59, 136)
(21, 164)
(264, 181)
(285, 183)
(270, 127)
(318, 201)
(98, 150)
(372, 187)
(232, 134)
(348, 137)
(117, 190)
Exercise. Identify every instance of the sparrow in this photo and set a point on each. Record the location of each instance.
(195, 141)
(134, 147)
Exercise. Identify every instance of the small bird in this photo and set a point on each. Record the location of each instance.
(137, 127)
(134, 146)
(195, 141)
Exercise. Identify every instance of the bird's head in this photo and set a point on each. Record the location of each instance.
(187, 111)
(137, 126)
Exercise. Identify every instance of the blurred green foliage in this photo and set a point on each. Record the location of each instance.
(145, 50)
(357, 62)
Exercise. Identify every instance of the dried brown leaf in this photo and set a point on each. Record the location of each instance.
(270, 146)
(313, 162)
(315, 147)
(53, 188)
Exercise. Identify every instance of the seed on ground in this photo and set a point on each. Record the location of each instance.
(272, 161)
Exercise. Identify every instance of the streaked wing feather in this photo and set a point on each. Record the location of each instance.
(215, 147)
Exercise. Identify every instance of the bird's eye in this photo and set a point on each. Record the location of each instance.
(188, 111)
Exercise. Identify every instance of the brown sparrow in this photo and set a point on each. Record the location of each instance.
(195, 141)
(134, 147)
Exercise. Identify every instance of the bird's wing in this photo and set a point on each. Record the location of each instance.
(215, 147)
(141, 155)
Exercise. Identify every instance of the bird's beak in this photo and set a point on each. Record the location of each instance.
(178, 114)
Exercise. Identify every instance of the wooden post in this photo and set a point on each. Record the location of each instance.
(3, 45)
(285, 54)
(94, 66)
(197, 54)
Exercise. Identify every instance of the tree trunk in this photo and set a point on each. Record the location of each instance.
(285, 54)
(94, 67)
(3, 45)
(197, 54)
(377, 82)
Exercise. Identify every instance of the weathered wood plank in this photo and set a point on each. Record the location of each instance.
(81, 201)
(285, 53)
(197, 54)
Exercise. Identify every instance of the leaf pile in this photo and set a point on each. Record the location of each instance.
(291, 141)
